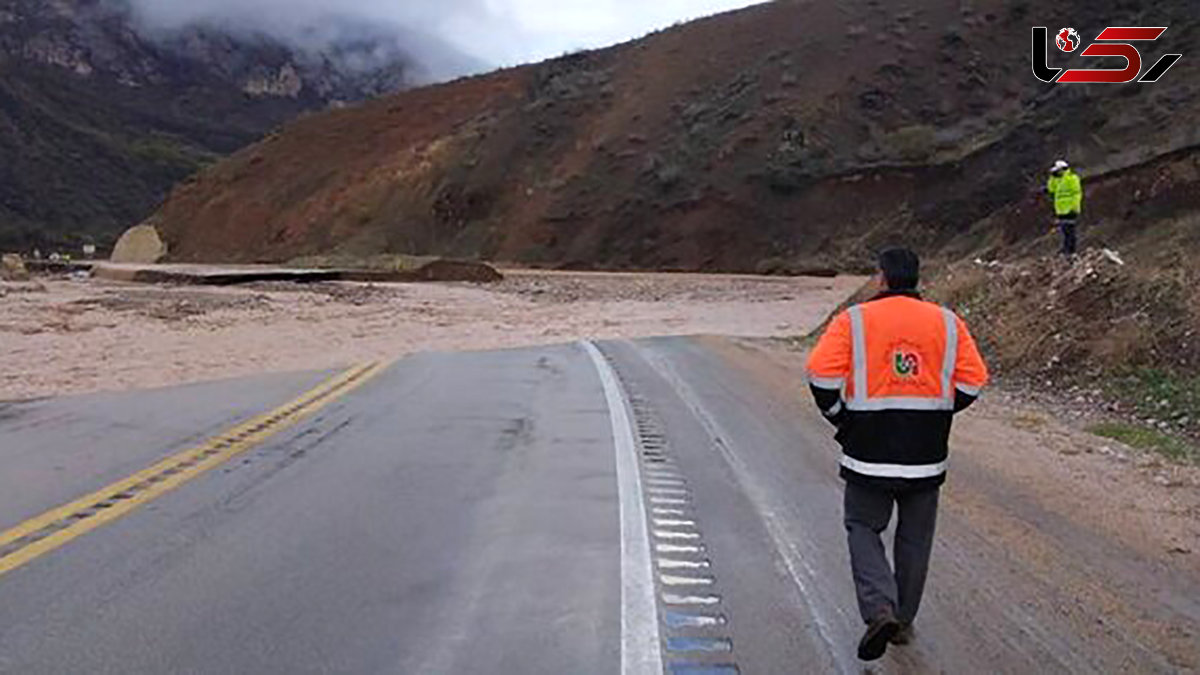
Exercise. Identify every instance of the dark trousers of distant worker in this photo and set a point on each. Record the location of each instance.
(867, 513)
(1067, 226)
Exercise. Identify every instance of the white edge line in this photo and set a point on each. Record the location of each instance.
(641, 650)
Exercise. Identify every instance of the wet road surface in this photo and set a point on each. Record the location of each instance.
(626, 507)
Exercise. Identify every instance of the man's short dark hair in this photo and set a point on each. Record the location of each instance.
(901, 269)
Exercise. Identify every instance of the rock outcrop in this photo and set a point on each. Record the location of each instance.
(139, 244)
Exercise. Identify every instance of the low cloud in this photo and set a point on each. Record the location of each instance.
(445, 35)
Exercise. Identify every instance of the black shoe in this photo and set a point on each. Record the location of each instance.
(875, 641)
(903, 636)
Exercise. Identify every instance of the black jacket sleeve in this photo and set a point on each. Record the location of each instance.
(963, 401)
(830, 403)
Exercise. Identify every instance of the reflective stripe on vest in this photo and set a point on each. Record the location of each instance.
(893, 470)
(826, 382)
(861, 400)
(950, 360)
(858, 348)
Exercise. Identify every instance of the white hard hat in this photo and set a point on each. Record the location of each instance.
(1061, 165)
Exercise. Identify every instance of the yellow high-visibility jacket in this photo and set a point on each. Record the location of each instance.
(1067, 191)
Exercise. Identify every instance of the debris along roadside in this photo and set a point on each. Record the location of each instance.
(216, 275)
(1114, 341)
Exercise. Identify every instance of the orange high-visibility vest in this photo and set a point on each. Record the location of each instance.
(899, 362)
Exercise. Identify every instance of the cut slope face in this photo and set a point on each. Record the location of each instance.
(804, 131)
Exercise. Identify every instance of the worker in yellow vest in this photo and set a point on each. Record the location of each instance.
(1066, 188)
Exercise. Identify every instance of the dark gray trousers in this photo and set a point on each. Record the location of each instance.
(867, 513)
(1068, 225)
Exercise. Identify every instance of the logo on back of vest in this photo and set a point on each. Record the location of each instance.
(906, 364)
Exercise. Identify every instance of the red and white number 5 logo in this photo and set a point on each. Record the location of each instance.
(1117, 41)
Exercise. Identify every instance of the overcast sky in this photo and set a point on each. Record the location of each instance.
(511, 31)
(499, 32)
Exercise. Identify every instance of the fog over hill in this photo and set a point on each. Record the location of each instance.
(437, 32)
(376, 33)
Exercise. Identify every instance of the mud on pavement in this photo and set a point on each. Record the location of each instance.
(63, 337)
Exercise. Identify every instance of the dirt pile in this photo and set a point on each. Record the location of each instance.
(1109, 338)
(1055, 317)
(436, 270)
(458, 270)
(791, 135)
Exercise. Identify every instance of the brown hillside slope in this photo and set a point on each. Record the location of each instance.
(808, 131)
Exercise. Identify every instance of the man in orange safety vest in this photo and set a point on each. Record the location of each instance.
(890, 374)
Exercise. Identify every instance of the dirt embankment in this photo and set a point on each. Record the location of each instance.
(1051, 317)
(64, 337)
(1114, 335)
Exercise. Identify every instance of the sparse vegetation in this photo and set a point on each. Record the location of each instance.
(165, 151)
(913, 143)
(1162, 396)
(1147, 438)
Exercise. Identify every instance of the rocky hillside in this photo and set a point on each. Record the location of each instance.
(99, 117)
(800, 132)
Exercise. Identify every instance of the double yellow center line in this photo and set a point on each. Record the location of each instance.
(54, 528)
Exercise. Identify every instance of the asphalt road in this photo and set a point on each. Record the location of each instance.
(640, 507)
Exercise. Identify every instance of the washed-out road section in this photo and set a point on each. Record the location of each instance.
(626, 506)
